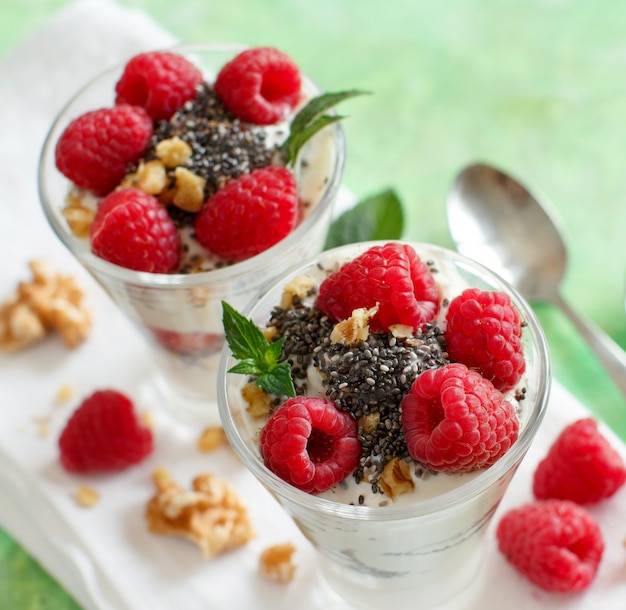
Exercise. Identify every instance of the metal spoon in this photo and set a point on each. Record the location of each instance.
(499, 223)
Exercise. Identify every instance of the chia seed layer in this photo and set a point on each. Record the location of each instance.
(222, 146)
(366, 379)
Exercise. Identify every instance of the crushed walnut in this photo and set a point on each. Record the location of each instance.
(49, 302)
(260, 403)
(210, 515)
(211, 438)
(275, 562)
(86, 496)
(354, 329)
(298, 287)
(396, 478)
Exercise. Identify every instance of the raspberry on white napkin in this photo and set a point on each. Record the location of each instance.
(104, 555)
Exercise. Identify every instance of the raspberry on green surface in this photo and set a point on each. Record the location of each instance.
(133, 230)
(159, 81)
(484, 332)
(104, 434)
(556, 544)
(390, 276)
(95, 149)
(580, 466)
(310, 444)
(454, 420)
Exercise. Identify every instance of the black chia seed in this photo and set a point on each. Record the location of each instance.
(366, 379)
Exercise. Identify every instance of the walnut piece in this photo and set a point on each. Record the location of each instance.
(151, 177)
(298, 287)
(86, 496)
(173, 151)
(210, 515)
(259, 401)
(354, 329)
(275, 563)
(396, 478)
(49, 302)
(211, 438)
(188, 192)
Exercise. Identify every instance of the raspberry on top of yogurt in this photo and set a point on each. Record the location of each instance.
(417, 410)
(182, 140)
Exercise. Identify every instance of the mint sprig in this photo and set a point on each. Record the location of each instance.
(257, 356)
(311, 119)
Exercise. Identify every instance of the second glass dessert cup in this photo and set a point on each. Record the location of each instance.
(423, 554)
(180, 314)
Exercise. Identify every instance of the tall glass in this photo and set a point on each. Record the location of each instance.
(419, 555)
(180, 315)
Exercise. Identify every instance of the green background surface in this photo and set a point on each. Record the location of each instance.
(537, 87)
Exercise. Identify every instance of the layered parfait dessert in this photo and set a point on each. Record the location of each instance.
(191, 175)
(405, 385)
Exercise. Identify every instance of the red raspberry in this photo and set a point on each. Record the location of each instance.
(159, 81)
(133, 230)
(96, 148)
(580, 466)
(454, 420)
(250, 214)
(556, 544)
(392, 276)
(188, 344)
(310, 444)
(104, 434)
(259, 86)
(484, 332)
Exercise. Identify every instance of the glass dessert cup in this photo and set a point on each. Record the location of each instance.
(180, 314)
(423, 554)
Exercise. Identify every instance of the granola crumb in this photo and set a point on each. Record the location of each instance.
(211, 438)
(86, 496)
(275, 563)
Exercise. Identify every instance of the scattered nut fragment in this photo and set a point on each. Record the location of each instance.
(211, 438)
(259, 401)
(173, 151)
(49, 302)
(401, 331)
(275, 562)
(211, 515)
(79, 218)
(188, 190)
(86, 496)
(354, 329)
(369, 422)
(151, 177)
(298, 287)
(43, 424)
(64, 394)
(396, 478)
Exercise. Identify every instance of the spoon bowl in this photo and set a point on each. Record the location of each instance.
(498, 222)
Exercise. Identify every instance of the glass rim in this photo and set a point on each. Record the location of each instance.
(180, 280)
(444, 501)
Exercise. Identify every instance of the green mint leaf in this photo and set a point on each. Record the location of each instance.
(256, 355)
(377, 217)
(278, 381)
(301, 128)
(300, 138)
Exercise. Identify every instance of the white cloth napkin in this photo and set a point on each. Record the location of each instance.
(104, 555)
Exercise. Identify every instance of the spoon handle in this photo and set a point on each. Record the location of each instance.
(610, 354)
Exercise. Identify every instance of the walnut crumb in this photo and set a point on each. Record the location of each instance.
(211, 438)
(354, 329)
(173, 151)
(259, 401)
(298, 287)
(210, 515)
(64, 394)
(151, 177)
(396, 478)
(188, 192)
(49, 302)
(275, 563)
(86, 496)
